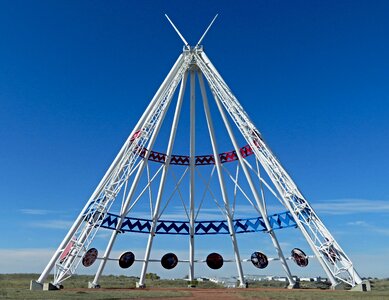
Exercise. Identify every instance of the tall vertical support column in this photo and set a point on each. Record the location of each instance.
(141, 283)
(221, 181)
(254, 191)
(192, 175)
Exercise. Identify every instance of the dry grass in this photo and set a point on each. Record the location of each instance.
(16, 286)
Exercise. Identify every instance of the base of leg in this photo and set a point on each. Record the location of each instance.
(92, 285)
(50, 287)
(36, 286)
(295, 285)
(192, 284)
(336, 287)
(140, 286)
(244, 285)
(364, 286)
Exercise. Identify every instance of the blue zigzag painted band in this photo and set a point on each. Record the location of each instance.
(277, 221)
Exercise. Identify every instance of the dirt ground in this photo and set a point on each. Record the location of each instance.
(222, 294)
(211, 294)
(196, 293)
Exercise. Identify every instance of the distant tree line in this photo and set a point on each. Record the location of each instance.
(152, 276)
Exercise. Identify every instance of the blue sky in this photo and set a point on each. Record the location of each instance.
(76, 76)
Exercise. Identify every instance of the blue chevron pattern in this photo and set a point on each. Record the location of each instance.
(277, 221)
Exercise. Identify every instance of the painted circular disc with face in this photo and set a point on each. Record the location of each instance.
(90, 257)
(215, 261)
(126, 259)
(169, 261)
(259, 260)
(299, 257)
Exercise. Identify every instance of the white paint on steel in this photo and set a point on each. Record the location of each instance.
(192, 166)
(227, 209)
(178, 32)
(206, 31)
(163, 179)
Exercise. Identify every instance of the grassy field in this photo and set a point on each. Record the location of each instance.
(16, 286)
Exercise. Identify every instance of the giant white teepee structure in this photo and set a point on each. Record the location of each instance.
(140, 172)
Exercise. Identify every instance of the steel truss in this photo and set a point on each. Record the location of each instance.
(124, 174)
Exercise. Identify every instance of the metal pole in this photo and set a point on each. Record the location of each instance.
(221, 180)
(261, 207)
(192, 175)
(141, 282)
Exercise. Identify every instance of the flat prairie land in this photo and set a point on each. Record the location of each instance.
(16, 286)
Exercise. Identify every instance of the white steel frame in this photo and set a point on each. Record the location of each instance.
(128, 163)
